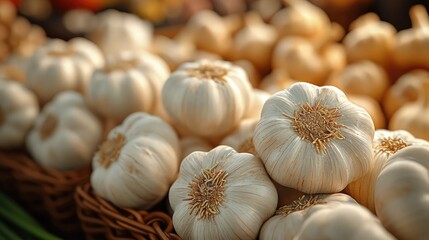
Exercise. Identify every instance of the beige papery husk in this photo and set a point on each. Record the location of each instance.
(316, 136)
(385, 145)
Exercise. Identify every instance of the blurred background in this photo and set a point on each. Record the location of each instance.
(66, 19)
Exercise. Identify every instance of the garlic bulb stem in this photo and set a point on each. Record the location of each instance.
(419, 17)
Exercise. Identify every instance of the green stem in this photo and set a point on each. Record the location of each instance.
(7, 233)
(7, 203)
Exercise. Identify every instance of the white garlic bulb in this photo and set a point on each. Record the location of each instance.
(207, 98)
(221, 194)
(314, 139)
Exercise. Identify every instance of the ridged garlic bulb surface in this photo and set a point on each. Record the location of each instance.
(221, 194)
(207, 98)
(314, 139)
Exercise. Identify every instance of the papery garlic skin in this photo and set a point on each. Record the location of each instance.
(385, 145)
(66, 133)
(286, 227)
(347, 221)
(18, 112)
(207, 98)
(249, 196)
(128, 83)
(137, 163)
(401, 193)
(319, 165)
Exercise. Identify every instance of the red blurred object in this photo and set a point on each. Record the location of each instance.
(92, 5)
(14, 2)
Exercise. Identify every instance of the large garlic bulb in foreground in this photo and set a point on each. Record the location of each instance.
(323, 216)
(137, 163)
(386, 143)
(18, 111)
(221, 194)
(314, 139)
(207, 98)
(401, 193)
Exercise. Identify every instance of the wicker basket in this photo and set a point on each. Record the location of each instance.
(100, 219)
(44, 192)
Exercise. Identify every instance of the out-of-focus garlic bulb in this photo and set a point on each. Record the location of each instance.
(386, 143)
(255, 42)
(370, 39)
(259, 99)
(301, 60)
(173, 52)
(315, 135)
(414, 116)
(207, 30)
(115, 32)
(372, 107)
(207, 98)
(406, 89)
(411, 44)
(277, 80)
(303, 19)
(252, 73)
(242, 137)
(191, 144)
(221, 194)
(357, 77)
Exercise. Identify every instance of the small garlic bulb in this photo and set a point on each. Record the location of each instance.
(242, 137)
(406, 89)
(277, 80)
(372, 107)
(386, 143)
(314, 139)
(207, 98)
(371, 39)
(414, 116)
(221, 194)
(356, 78)
(259, 98)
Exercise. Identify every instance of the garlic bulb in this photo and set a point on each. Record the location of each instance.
(303, 19)
(406, 89)
(335, 56)
(242, 137)
(252, 73)
(137, 163)
(66, 133)
(127, 83)
(411, 44)
(116, 31)
(173, 52)
(356, 78)
(208, 32)
(221, 194)
(386, 143)
(277, 80)
(413, 116)
(314, 139)
(372, 40)
(301, 60)
(62, 66)
(255, 42)
(191, 144)
(207, 98)
(259, 98)
(18, 111)
(372, 107)
(401, 193)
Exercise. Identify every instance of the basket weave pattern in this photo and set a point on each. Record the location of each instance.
(100, 219)
(44, 191)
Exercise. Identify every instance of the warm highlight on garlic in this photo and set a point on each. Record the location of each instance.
(207, 98)
(386, 143)
(372, 107)
(18, 111)
(137, 163)
(314, 139)
(221, 194)
(66, 133)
